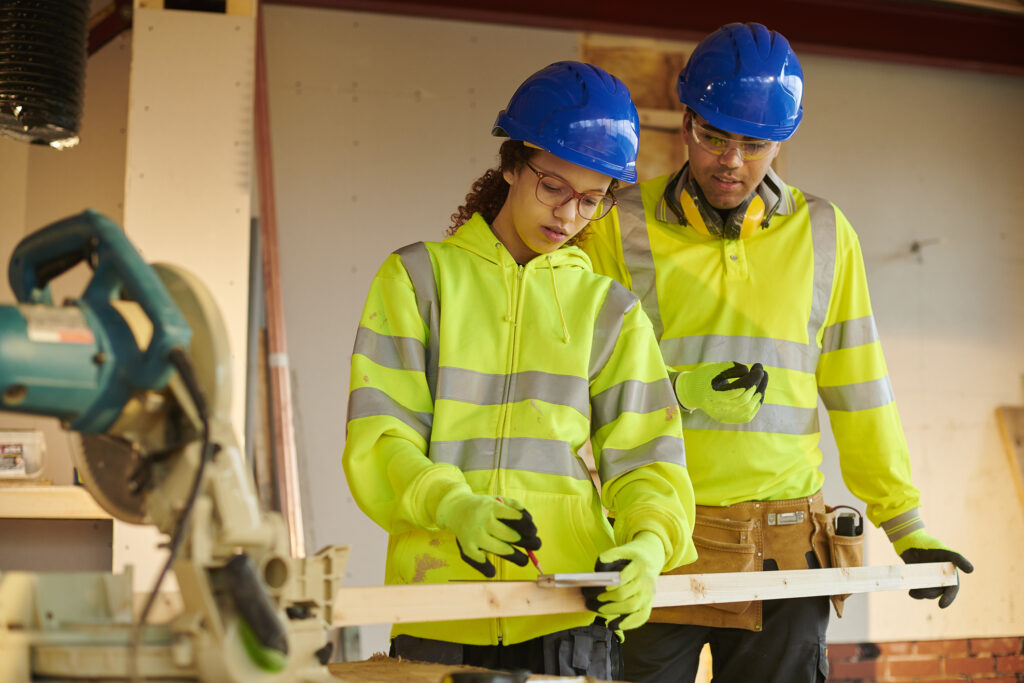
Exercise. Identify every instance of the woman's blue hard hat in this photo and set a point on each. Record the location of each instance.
(578, 112)
(745, 79)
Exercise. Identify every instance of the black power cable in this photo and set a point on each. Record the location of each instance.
(179, 359)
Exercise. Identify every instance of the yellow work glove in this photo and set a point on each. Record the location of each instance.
(639, 563)
(483, 524)
(728, 392)
(917, 547)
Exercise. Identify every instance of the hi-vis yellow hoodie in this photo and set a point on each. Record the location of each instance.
(471, 368)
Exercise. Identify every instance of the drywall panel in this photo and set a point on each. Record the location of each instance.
(188, 181)
(379, 124)
(929, 157)
(188, 175)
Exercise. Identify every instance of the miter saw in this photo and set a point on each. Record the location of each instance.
(139, 366)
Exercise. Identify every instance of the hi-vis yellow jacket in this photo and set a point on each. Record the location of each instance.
(469, 367)
(793, 297)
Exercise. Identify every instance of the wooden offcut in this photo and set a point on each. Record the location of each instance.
(490, 599)
(1011, 427)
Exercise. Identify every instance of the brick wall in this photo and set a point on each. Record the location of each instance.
(992, 660)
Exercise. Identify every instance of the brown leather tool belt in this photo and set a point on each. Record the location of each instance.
(782, 534)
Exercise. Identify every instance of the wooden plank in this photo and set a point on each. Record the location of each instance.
(484, 599)
(1011, 427)
(381, 669)
(702, 589)
(49, 502)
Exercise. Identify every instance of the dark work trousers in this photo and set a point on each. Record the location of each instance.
(790, 648)
(587, 650)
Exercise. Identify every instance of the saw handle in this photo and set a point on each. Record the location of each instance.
(118, 271)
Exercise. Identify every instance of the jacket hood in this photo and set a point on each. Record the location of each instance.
(476, 236)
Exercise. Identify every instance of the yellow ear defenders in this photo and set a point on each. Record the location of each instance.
(741, 222)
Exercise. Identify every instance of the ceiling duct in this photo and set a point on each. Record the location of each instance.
(42, 69)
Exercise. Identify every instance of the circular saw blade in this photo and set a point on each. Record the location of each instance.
(105, 465)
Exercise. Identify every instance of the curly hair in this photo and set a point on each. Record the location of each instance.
(489, 191)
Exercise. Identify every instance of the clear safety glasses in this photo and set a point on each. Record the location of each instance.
(554, 192)
(714, 142)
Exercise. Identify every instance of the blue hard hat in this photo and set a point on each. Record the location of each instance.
(578, 112)
(745, 79)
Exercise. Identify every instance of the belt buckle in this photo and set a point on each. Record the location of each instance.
(786, 518)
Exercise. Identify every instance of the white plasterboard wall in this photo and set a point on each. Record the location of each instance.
(933, 156)
(379, 124)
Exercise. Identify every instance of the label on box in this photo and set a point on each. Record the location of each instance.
(65, 325)
(12, 460)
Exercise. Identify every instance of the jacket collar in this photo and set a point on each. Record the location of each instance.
(476, 236)
(773, 191)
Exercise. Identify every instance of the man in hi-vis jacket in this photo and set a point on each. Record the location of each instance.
(731, 263)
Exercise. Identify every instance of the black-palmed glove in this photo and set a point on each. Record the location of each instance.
(728, 393)
(918, 547)
(483, 524)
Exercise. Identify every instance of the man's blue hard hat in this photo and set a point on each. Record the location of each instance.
(578, 112)
(745, 79)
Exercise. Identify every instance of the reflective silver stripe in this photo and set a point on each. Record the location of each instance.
(371, 402)
(901, 525)
(401, 353)
(480, 388)
(714, 348)
(662, 449)
(849, 333)
(636, 253)
(617, 303)
(859, 396)
(543, 456)
(416, 260)
(632, 396)
(823, 234)
(773, 419)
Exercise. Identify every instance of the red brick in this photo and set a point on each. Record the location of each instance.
(970, 665)
(1012, 664)
(843, 651)
(902, 667)
(856, 670)
(996, 679)
(942, 647)
(901, 648)
(996, 646)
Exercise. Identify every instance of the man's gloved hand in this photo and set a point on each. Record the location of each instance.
(483, 524)
(918, 547)
(639, 562)
(728, 392)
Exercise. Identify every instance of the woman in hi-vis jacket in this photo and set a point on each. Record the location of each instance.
(484, 363)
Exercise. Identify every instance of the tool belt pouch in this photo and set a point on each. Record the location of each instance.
(836, 551)
(723, 545)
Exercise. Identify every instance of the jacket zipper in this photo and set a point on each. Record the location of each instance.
(498, 480)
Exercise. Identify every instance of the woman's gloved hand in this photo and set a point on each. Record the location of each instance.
(728, 392)
(639, 563)
(918, 547)
(483, 524)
